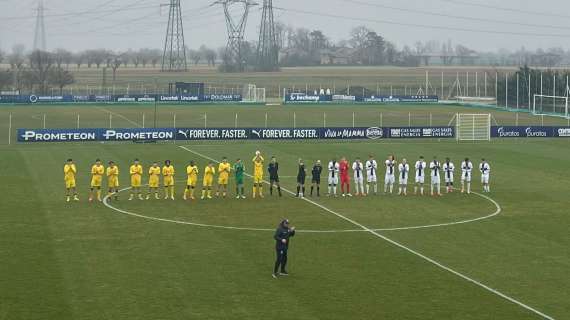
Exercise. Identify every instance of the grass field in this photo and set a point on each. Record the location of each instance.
(149, 259)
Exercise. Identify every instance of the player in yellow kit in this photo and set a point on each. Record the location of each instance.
(208, 180)
(113, 180)
(223, 177)
(258, 174)
(69, 172)
(97, 172)
(136, 172)
(168, 176)
(192, 172)
(153, 180)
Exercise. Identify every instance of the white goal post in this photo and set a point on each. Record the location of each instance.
(550, 105)
(473, 127)
(252, 93)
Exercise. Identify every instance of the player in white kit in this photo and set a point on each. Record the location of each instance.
(485, 170)
(390, 177)
(371, 174)
(466, 168)
(333, 177)
(435, 168)
(420, 175)
(404, 169)
(358, 169)
(448, 168)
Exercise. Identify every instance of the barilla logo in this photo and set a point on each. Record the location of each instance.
(374, 133)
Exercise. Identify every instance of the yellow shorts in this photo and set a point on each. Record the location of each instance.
(153, 182)
(70, 183)
(96, 181)
(192, 182)
(113, 183)
(207, 182)
(136, 181)
(223, 179)
(258, 178)
(168, 181)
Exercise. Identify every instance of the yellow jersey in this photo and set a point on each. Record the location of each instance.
(113, 176)
(224, 170)
(209, 172)
(69, 172)
(192, 172)
(97, 170)
(168, 171)
(136, 169)
(154, 176)
(258, 165)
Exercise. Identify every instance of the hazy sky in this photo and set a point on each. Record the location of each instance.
(124, 24)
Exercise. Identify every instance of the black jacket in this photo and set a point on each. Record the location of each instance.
(281, 233)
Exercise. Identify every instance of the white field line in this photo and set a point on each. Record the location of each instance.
(412, 251)
(120, 116)
(110, 206)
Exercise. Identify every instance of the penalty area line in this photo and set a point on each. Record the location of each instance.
(405, 248)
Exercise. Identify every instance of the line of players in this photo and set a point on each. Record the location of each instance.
(336, 171)
(339, 171)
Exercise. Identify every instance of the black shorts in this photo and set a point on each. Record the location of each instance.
(316, 180)
(301, 179)
(273, 179)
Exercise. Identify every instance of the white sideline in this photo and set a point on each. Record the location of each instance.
(401, 246)
(120, 116)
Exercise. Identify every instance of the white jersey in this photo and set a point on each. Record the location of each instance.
(485, 170)
(390, 167)
(466, 168)
(448, 171)
(333, 172)
(420, 169)
(358, 169)
(435, 168)
(404, 170)
(371, 169)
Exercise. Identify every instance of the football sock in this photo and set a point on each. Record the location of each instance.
(347, 188)
(367, 188)
(279, 190)
(422, 190)
(312, 187)
(303, 190)
(260, 191)
(318, 191)
(298, 188)
(375, 188)
(209, 192)
(391, 188)
(254, 190)
(271, 190)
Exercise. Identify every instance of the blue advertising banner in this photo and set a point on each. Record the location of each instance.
(308, 98)
(141, 98)
(421, 132)
(193, 134)
(529, 132)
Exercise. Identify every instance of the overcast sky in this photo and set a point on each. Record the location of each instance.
(124, 24)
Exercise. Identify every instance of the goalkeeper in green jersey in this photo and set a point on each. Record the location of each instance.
(239, 170)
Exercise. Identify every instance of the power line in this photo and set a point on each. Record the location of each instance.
(425, 26)
(508, 9)
(437, 14)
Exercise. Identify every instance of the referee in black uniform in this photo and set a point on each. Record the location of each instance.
(316, 178)
(282, 236)
(301, 175)
(273, 170)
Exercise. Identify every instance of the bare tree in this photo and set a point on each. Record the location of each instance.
(2, 55)
(62, 56)
(195, 56)
(116, 62)
(40, 64)
(60, 78)
(78, 59)
(17, 58)
(6, 78)
(358, 40)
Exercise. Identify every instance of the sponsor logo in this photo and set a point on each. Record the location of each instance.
(532, 133)
(126, 99)
(564, 132)
(374, 133)
(189, 98)
(427, 132)
(501, 132)
(303, 97)
(395, 133)
(133, 134)
(33, 99)
(257, 133)
(55, 136)
(168, 98)
(342, 97)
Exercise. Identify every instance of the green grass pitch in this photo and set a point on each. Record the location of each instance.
(85, 260)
